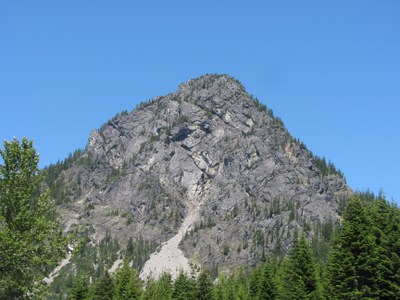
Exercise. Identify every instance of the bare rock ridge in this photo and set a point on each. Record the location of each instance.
(209, 151)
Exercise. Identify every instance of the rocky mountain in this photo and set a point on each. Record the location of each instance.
(206, 176)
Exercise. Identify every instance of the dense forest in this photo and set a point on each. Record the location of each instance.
(363, 262)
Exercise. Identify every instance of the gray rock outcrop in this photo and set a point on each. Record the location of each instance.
(210, 142)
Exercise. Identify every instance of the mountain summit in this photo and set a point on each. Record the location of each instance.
(206, 176)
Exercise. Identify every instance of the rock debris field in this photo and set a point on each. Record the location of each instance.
(170, 258)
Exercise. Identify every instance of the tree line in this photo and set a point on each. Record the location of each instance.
(363, 262)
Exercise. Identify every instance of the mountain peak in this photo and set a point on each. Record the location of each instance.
(220, 86)
(208, 170)
(209, 80)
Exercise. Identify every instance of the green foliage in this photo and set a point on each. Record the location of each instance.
(180, 120)
(113, 120)
(260, 105)
(30, 242)
(254, 283)
(88, 259)
(80, 288)
(386, 219)
(138, 251)
(267, 287)
(184, 288)
(103, 288)
(353, 255)
(225, 248)
(122, 278)
(204, 286)
(300, 274)
(160, 289)
(232, 287)
(51, 176)
(363, 264)
(200, 226)
(114, 174)
(108, 249)
(363, 259)
(127, 283)
(327, 168)
(321, 239)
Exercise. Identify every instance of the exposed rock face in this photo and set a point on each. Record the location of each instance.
(209, 143)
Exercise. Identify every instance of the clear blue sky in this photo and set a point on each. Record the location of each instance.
(329, 68)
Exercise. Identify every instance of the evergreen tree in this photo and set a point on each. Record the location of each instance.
(354, 267)
(103, 288)
(204, 286)
(121, 280)
(184, 288)
(151, 290)
(254, 283)
(160, 289)
(80, 289)
(231, 287)
(267, 289)
(134, 286)
(301, 277)
(219, 288)
(165, 286)
(127, 283)
(31, 243)
(386, 228)
(394, 251)
(230, 291)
